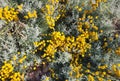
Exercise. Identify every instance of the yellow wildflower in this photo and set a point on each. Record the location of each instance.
(20, 7)
(90, 78)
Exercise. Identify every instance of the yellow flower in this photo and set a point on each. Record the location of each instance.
(95, 27)
(117, 51)
(114, 67)
(87, 71)
(118, 64)
(16, 77)
(87, 25)
(7, 14)
(14, 58)
(6, 70)
(101, 31)
(22, 59)
(35, 14)
(104, 0)
(100, 79)
(20, 7)
(26, 17)
(79, 9)
(36, 44)
(116, 35)
(88, 65)
(97, 73)
(117, 72)
(24, 67)
(104, 73)
(47, 78)
(30, 15)
(6, 8)
(57, 17)
(90, 78)
(34, 68)
(109, 80)
(47, 6)
(96, 17)
(76, 7)
(18, 53)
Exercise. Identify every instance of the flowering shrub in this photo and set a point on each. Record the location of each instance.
(59, 40)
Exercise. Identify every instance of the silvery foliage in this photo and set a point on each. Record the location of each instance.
(3, 3)
(29, 5)
(64, 57)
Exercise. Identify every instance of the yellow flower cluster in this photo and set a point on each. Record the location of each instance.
(50, 21)
(6, 72)
(20, 7)
(102, 67)
(49, 11)
(9, 14)
(88, 31)
(78, 8)
(100, 79)
(56, 41)
(40, 45)
(15, 77)
(77, 70)
(58, 38)
(49, 52)
(31, 15)
(116, 69)
(60, 42)
(85, 26)
(95, 5)
(117, 51)
(90, 78)
(103, 72)
(76, 46)
(94, 36)
(22, 59)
